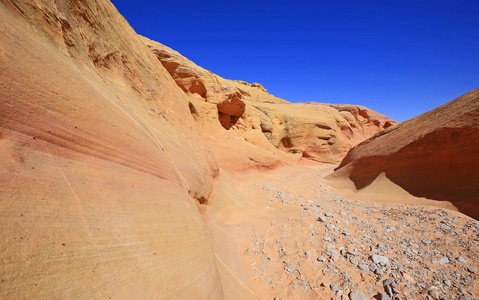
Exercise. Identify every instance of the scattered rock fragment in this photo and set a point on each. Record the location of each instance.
(357, 296)
(444, 260)
(334, 287)
(379, 259)
(364, 267)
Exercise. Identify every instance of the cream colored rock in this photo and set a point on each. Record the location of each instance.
(201, 84)
(320, 132)
(101, 164)
(107, 155)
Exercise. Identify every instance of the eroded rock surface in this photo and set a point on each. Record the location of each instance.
(434, 155)
(101, 164)
(110, 187)
(321, 132)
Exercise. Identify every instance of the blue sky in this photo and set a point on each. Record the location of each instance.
(400, 58)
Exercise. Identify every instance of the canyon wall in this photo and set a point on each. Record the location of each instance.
(254, 120)
(434, 155)
(101, 162)
(109, 144)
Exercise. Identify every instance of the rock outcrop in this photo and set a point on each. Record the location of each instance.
(434, 155)
(321, 132)
(101, 163)
(201, 84)
(110, 148)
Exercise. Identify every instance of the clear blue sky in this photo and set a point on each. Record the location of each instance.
(401, 58)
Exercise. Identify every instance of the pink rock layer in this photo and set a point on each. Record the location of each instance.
(434, 155)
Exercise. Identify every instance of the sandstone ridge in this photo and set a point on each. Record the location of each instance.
(128, 171)
(321, 132)
(434, 155)
(101, 162)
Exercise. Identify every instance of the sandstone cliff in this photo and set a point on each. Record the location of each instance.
(108, 148)
(101, 162)
(321, 132)
(434, 155)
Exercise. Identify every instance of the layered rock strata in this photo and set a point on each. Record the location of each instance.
(434, 155)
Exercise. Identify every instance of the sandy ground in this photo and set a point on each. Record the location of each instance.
(288, 234)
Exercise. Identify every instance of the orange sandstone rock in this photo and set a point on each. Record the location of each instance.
(434, 155)
(321, 132)
(108, 148)
(101, 163)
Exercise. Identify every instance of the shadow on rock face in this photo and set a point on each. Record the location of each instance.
(442, 165)
(231, 110)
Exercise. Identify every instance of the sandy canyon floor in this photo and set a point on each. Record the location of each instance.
(299, 238)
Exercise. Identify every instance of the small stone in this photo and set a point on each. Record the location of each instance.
(311, 202)
(334, 287)
(322, 219)
(445, 227)
(444, 260)
(330, 246)
(327, 239)
(354, 295)
(269, 279)
(331, 252)
(387, 282)
(434, 293)
(384, 296)
(321, 258)
(364, 267)
(379, 259)
(307, 253)
(461, 259)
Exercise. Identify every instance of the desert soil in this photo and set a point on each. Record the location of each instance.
(313, 243)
